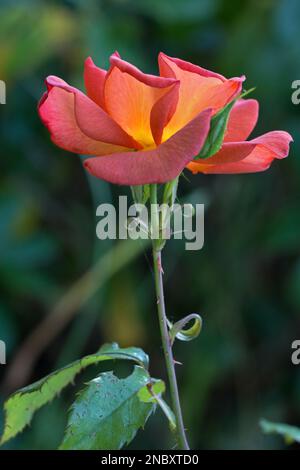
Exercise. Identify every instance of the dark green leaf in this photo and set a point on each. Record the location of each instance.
(109, 411)
(21, 406)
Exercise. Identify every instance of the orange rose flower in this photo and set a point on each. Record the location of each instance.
(138, 128)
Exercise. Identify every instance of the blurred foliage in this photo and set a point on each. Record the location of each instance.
(289, 433)
(245, 282)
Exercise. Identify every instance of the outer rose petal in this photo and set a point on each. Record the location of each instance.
(199, 89)
(165, 66)
(56, 110)
(94, 78)
(91, 119)
(242, 120)
(266, 148)
(277, 142)
(130, 96)
(229, 153)
(154, 166)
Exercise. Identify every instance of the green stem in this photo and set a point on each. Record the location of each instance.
(166, 341)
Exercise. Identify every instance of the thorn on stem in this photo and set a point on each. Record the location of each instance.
(160, 267)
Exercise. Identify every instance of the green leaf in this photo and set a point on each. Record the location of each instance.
(290, 433)
(109, 411)
(218, 126)
(20, 407)
(150, 394)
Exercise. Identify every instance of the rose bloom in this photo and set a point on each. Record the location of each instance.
(142, 128)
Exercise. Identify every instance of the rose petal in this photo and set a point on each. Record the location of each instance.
(92, 120)
(154, 166)
(242, 120)
(56, 110)
(94, 78)
(130, 96)
(229, 153)
(277, 142)
(199, 89)
(166, 69)
(163, 111)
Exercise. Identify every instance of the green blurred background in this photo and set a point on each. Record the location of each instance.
(245, 282)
